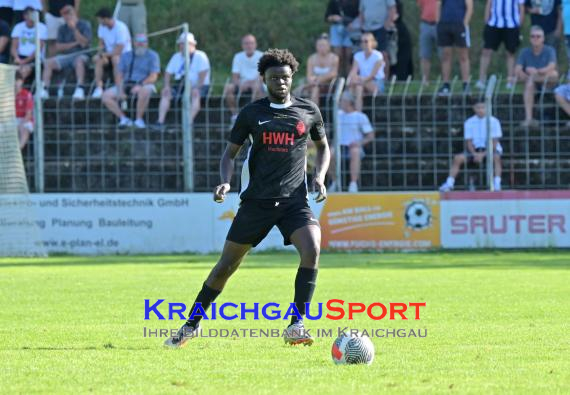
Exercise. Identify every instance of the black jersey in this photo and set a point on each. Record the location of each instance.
(276, 161)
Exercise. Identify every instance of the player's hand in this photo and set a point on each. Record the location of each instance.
(220, 192)
(320, 189)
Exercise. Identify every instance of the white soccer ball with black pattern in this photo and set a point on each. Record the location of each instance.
(352, 348)
(418, 215)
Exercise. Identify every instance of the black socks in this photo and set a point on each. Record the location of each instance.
(305, 284)
(206, 296)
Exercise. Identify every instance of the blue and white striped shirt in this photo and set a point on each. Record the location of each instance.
(505, 13)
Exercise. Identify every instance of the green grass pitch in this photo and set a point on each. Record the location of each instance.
(496, 323)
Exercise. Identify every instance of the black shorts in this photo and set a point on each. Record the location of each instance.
(255, 218)
(453, 34)
(494, 36)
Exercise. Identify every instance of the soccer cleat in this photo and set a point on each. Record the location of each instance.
(184, 334)
(296, 334)
(446, 187)
(78, 94)
(97, 93)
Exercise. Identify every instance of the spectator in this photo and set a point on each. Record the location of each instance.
(503, 20)
(355, 132)
(20, 8)
(401, 65)
(133, 13)
(345, 28)
(114, 40)
(245, 77)
(546, 14)
(475, 135)
(7, 11)
(453, 31)
(367, 73)
(54, 20)
(72, 37)
(23, 42)
(138, 71)
(536, 65)
(199, 79)
(24, 111)
(429, 16)
(322, 68)
(562, 96)
(566, 28)
(4, 42)
(377, 17)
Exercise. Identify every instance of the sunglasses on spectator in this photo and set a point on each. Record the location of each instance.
(536, 36)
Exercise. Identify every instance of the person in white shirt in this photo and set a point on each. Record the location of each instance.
(23, 42)
(199, 79)
(367, 73)
(114, 40)
(475, 134)
(355, 131)
(245, 77)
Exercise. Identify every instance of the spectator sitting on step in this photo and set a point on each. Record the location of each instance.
(367, 73)
(23, 42)
(475, 135)
(199, 79)
(138, 71)
(114, 40)
(562, 96)
(322, 68)
(536, 65)
(4, 42)
(245, 77)
(72, 37)
(24, 111)
(53, 17)
(355, 132)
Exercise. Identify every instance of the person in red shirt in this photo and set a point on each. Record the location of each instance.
(24, 111)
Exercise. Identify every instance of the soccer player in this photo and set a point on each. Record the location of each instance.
(273, 190)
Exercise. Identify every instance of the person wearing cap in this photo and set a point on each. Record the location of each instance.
(23, 42)
(114, 40)
(54, 20)
(245, 77)
(138, 71)
(133, 13)
(199, 79)
(73, 37)
(355, 131)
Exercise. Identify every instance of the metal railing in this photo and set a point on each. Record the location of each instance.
(417, 134)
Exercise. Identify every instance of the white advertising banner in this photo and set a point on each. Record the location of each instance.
(123, 223)
(525, 219)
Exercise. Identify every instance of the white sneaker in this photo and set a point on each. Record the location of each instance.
(497, 186)
(125, 123)
(353, 187)
(445, 187)
(139, 124)
(333, 187)
(509, 85)
(44, 94)
(78, 94)
(480, 85)
(97, 93)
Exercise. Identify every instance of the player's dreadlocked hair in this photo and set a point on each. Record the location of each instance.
(274, 57)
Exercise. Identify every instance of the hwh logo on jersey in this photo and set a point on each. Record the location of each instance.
(271, 139)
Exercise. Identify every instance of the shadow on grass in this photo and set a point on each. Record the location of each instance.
(544, 259)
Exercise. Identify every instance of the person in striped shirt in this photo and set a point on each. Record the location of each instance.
(503, 20)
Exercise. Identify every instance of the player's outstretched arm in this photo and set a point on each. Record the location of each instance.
(226, 171)
(322, 165)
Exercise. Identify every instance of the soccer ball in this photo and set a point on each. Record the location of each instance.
(352, 349)
(418, 215)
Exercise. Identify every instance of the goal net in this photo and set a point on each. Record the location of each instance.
(19, 230)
